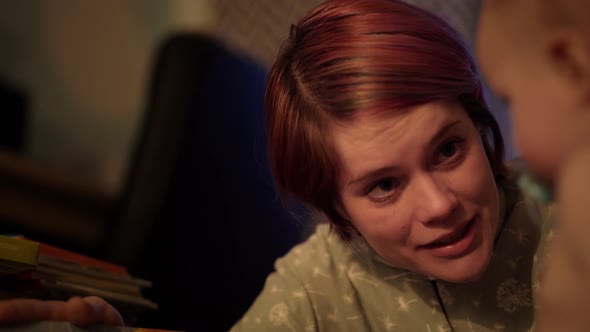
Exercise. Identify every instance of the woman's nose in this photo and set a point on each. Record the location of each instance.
(436, 201)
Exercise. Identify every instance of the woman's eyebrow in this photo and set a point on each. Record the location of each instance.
(443, 131)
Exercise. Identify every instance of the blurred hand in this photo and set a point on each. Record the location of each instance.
(79, 311)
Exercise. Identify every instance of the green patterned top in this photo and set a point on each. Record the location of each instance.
(326, 284)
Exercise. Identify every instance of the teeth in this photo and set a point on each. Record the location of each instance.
(451, 239)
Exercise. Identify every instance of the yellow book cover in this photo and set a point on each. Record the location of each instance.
(17, 255)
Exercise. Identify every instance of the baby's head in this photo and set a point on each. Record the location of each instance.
(536, 54)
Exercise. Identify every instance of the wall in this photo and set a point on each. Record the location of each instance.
(85, 65)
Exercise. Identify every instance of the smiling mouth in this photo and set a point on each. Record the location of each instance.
(451, 238)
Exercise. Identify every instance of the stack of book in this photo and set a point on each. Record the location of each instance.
(37, 270)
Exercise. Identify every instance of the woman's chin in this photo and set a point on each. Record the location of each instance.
(462, 278)
(465, 269)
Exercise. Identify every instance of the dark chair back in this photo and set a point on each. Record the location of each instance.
(201, 217)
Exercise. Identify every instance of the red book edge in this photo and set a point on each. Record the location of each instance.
(49, 250)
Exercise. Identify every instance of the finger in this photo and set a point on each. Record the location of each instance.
(91, 310)
(110, 315)
(20, 310)
(82, 312)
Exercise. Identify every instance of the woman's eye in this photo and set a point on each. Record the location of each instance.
(449, 151)
(383, 189)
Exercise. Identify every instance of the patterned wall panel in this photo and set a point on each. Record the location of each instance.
(258, 27)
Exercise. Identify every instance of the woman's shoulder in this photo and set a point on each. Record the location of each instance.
(322, 286)
(323, 251)
(530, 221)
(337, 265)
(347, 285)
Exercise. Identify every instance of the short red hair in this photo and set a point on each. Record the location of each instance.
(351, 56)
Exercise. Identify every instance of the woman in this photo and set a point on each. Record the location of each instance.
(376, 118)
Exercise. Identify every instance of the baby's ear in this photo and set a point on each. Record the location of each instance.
(569, 54)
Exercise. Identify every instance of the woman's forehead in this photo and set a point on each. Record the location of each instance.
(389, 124)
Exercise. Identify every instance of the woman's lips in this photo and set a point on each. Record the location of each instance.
(454, 244)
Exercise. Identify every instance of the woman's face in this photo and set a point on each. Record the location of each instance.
(418, 187)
